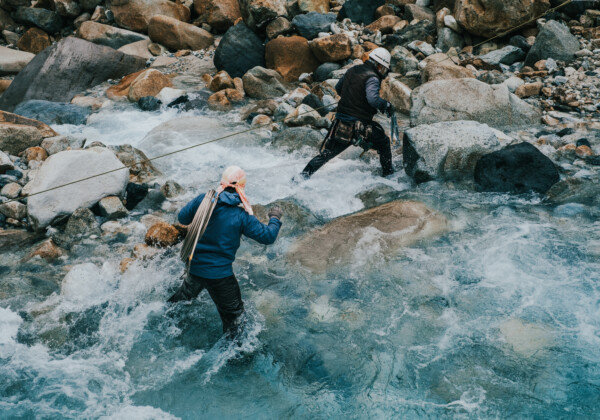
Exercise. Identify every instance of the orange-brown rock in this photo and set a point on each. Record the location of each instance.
(34, 41)
(332, 48)
(290, 57)
(10, 118)
(584, 151)
(35, 153)
(136, 14)
(125, 263)
(182, 53)
(122, 88)
(4, 84)
(148, 83)
(529, 89)
(219, 14)
(384, 10)
(443, 71)
(357, 52)
(177, 35)
(222, 100)
(47, 250)
(384, 24)
(320, 6)
(221, 80)
(162, 235)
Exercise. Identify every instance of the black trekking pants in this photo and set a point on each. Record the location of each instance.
(379, 140)
(224, 292)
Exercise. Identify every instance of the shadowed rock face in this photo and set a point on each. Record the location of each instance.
(390, 226)
(65, 69)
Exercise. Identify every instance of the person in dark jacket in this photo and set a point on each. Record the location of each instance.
(360, 101)
(211, 264)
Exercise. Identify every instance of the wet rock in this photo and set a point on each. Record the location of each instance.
(149, 103)
(331, 48)
(290, 57)
(464, 142)
(112, 208)
(396, 92)
(135, 15)
(575, 190)
(391, 226)
(262, 83)
(487, 18)
(507, 55)
(107, 35)
(13, 61)
(148, 83)
(219, 14)
(172, 189)
(11, 240)
(144, 252)
(46, 20)
(221, 81)
(139, 49)
(519, 168)
(279, 26)
(16, 138)
(152, 201)
(34, 41)
(47, 250)
(82, 223)
(360, 11)
(139, 168)
(294, 138)
(134, 194)
(239, 38)
(60, 72)
(554, 41)
(309, 25)
(302, 115)
(223, 100)
(526, 339)
(257, 13)
(122, 88)
(470, 99)
(53, 112)
(162, 235)
(69, 166)
(178, 35)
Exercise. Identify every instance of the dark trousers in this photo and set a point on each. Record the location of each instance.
(379, 140)
(225, 293)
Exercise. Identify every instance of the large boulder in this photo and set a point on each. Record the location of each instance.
(34, 41)
(219, 14)
(470, 99)
(360, 11)
(446, 150)
(139, 49)
(10, 118)
(396, 92)
(262, 83)
(107, 35)
(488, 18)
(444, 70)
(237, 39)
(388, 227)
(13, 61)
(519, 168)
(135, 15)
(309, 25)
(69, 166)
(53, 112)
(148, 83)
(554, 41)
(60, 72)
(257, 13)
(332, 48)
(294, 138)
(15, 138)
(178, 35)
(291, 57)
(46, 20)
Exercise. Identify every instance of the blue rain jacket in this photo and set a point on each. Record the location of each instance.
(215, 251)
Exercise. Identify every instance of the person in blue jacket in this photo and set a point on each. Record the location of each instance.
(211, 265)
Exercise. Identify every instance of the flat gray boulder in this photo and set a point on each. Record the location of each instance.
(446, 150)
(69, 166)
(13, 61)
(470, 99)
(108, 35)
(68, 67)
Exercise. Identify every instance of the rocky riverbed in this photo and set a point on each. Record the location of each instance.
(465, 286)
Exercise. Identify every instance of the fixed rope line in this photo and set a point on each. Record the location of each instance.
(553, 9)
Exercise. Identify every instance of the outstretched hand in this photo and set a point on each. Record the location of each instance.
(276, 212)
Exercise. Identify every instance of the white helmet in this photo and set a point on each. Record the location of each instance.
(381, 56)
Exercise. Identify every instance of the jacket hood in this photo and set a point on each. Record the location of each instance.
(229, 198)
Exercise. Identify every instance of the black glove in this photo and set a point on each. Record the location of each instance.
(275, 212)
(390, 110)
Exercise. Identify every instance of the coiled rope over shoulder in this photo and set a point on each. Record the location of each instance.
(198, 226)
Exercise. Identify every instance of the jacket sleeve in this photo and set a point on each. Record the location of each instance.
(338, 86)
(186, 214)
(264, 234)
(372, 90)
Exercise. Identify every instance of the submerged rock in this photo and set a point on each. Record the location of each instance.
(162, 235)
(69, 166)
(390, 227)
(53, 112)
(519, 168)
(524, 338)
(446, 150)
(11, 240)
(47, 250)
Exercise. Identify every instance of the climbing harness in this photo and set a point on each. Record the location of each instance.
(198, 226)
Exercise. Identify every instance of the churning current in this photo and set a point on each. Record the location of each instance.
(498, 317)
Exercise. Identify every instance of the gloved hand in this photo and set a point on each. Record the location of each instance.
(275, 212)
(390, 110)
